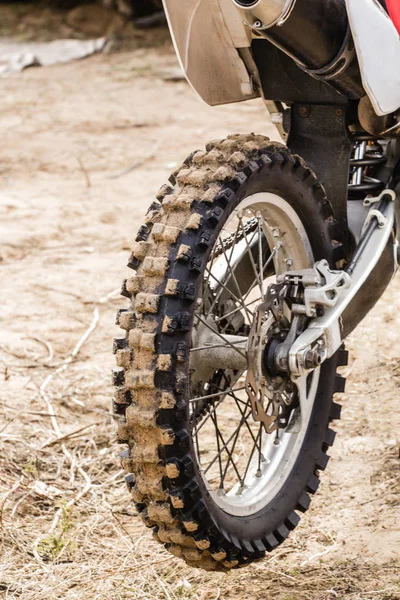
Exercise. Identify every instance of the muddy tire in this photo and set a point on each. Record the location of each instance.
(152, 377)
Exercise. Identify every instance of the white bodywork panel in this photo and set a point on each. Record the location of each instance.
(377, 44)
(207, 34)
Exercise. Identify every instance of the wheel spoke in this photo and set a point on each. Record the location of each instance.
(228, 452)
(228, 442)
(258, 277)
(208, 415)
(233, 245)
(222, 392)
(219, 439)
(251, 255)
(197, 447)
(237, 285)
(249, 312)
(218, 295)
(242, 412)
(266, 264)
(256, 440)
(255, 445)
(260, 253)
(214, 408)
(236, 310)
(260, 456)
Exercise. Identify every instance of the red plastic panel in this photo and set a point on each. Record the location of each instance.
(394, 12)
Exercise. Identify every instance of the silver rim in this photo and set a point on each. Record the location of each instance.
(242, 465)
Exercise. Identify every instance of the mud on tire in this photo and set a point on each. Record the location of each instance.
(152, 358)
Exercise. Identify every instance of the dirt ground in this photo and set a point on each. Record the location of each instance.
(84, 148)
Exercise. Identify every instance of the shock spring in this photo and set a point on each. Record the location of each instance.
(367, 158)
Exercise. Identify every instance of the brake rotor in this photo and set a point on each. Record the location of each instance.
(271, 391)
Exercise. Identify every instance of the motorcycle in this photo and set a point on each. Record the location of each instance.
(254, 263)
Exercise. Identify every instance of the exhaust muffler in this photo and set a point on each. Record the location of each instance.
(266, 14)
(314, 33)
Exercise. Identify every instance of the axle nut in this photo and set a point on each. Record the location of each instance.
(312, 359)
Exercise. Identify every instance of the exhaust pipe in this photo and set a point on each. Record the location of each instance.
(267, 14)
(314, 33)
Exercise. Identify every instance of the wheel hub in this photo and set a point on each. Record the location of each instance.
(270, 356)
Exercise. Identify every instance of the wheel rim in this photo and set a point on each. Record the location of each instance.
(243, 467)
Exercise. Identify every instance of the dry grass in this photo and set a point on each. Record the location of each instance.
(69, 532)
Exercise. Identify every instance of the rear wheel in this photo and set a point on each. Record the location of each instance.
(221, 477)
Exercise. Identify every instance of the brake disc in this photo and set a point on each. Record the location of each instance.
(272, 394)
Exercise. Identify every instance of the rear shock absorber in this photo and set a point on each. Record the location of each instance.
(367, 158)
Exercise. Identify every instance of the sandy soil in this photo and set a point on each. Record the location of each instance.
(84, 149)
